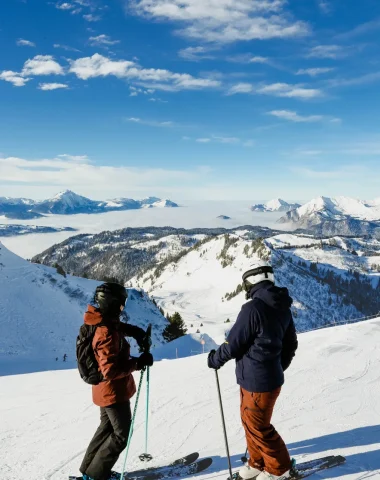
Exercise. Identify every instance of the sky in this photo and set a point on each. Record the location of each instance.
(190, 99)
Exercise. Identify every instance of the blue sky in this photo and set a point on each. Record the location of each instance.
(190, 99)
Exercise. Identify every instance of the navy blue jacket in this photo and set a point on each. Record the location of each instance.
(263, 340)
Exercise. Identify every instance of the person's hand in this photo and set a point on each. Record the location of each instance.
(210, 360)
(144, 360)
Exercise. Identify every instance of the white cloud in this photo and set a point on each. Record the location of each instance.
(224, 140)
(92, 18)
(42, 65)
(362, 29)
(258, 59)
(362, 80)
(289, 91)
(294, 117)
(230, 140)
(327, 51)
(313, 72)
(52, 86)
(100, 66)
(224, 21)
(150, 123)
(277, 90)
(13, 77)
(25, 43)
(241, 88)
(66, 47)
(65, 6)
(77, 173)
(324, 6)
(195, 54)
(102, 40)
(74, 158)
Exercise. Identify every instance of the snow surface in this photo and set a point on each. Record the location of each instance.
(41, 313)
(196, 285)
(338, 207)
(329, 405)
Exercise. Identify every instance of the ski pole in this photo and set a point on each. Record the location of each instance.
(146, 457)
(132, 425)
(223, 423)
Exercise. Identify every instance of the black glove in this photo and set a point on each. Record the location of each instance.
(210, 360)
(144, 360)
(139, 335)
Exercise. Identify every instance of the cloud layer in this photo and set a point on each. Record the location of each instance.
(224, 21)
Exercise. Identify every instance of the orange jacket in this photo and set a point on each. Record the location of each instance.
(112, 353)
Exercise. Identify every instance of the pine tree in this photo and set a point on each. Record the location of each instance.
(60, 270)
(175, 329)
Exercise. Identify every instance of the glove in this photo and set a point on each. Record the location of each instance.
(210, 360)
(139, 335)
(144, 360)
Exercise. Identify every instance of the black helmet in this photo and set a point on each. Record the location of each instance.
(110, 297)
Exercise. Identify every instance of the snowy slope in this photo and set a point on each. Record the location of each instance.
(329, 405)
(198, 283)
(41, 311)
(349, 215)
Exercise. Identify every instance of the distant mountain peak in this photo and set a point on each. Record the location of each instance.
(68, 202)
(275, 205)
(336, 215)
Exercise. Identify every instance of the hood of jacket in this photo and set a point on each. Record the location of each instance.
(92, 316)
(275, 297)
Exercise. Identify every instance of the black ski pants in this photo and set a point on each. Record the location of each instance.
(108, 442)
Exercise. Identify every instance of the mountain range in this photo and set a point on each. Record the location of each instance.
(336, 216)
(70, 203)
(275, 205)
(198, 272)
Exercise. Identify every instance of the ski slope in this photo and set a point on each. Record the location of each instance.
(41, 313)
(329, 405)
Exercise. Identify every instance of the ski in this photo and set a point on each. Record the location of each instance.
(305, 469)
(182, 461)
(176, 471)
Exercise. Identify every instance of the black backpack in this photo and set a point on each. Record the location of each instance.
(87, 365)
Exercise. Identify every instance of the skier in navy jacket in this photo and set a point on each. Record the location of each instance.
(263, 342)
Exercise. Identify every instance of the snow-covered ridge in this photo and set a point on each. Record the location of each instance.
(332, 279)
(275, 205)
(343, 215)
(41, 310)
(69, 203)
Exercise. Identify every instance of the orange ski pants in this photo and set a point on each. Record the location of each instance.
(267, 450)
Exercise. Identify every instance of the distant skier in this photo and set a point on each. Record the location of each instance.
(113, 393)
(64, 357)
(263, 341)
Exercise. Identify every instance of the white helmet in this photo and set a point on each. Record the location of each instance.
(259, 271)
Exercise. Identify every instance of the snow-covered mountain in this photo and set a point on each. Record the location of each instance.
(328, 406)
(130, 251)
(332, 279)
(276, 205)
(336, 216)
(198, 272)
(69, 203)
(41, 311)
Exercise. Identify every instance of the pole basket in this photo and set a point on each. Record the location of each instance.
(145, 457)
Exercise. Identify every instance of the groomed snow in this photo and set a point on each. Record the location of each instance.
(329, 405)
